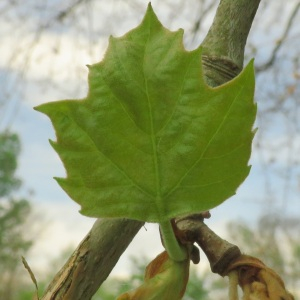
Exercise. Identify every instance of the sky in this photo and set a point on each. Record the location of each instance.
(57, 72)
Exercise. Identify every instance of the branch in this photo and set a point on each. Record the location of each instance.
(66, 12)
(95, 257)
(202, 14)
(93, 260)
(219, 252)
(224, 45)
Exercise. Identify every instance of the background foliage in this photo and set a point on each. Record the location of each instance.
(14, 212)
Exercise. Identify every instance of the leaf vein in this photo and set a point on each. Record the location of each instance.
(108, 159)
(208, 144)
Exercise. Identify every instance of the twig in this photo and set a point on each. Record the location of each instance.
(66, 12)
(219, 252)
(280, 42)
(27, 267)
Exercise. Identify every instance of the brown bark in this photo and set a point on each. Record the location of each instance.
(93, 260)
(219, 252)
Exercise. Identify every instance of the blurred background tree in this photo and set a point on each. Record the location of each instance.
(14, 213)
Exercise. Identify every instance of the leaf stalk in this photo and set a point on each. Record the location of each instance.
(175, 250)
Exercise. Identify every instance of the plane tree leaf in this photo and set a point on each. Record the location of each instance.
(151, 140)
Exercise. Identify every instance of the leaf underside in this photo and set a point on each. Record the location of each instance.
(151, 140)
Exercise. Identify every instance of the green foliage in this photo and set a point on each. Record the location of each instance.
(13, 216)
(151, 140)
(9, 151)
(195, 287)
(13, 212)
(13, 244)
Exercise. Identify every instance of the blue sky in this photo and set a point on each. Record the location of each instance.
(67, 77)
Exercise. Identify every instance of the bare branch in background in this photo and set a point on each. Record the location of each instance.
(280, 42)
(204, 11)
(66, 12)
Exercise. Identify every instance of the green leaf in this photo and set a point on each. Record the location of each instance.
(151, 140)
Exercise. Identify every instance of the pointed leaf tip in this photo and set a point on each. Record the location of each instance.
(150, 133)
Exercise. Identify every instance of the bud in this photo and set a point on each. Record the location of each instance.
(164, 279)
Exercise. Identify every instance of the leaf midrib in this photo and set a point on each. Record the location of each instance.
(158, 200)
